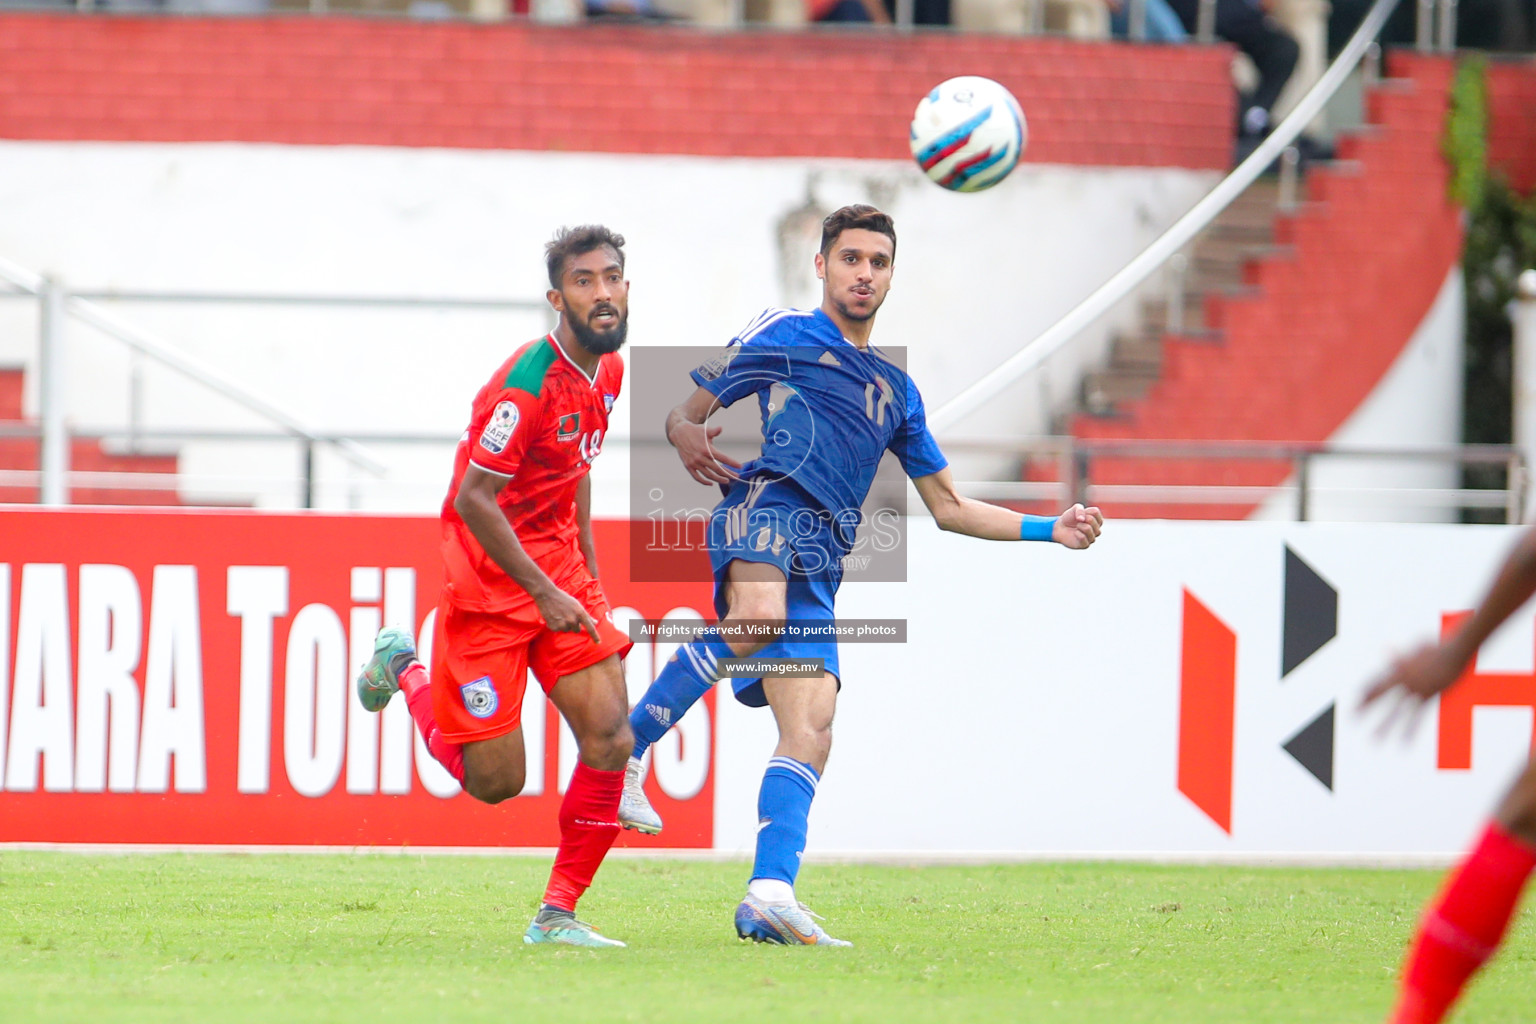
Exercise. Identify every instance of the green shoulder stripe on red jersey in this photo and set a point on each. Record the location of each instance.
(527, 373)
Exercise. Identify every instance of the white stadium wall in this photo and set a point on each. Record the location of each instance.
(1182, 690)
(711, 241)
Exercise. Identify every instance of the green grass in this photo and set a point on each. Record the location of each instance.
(424, 939)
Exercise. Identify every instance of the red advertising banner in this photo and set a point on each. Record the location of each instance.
(185, 677)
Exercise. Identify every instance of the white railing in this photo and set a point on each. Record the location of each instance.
(57, 303)
(1076, 475)
(1076, 478)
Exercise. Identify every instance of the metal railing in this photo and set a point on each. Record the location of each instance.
(1075, 460)
(57, 302)
(1077, 476)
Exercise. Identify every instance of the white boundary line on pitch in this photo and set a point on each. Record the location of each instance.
(902, 858)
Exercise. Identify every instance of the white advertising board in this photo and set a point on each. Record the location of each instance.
(1036, 707)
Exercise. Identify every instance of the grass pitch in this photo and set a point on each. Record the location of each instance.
(300, 938)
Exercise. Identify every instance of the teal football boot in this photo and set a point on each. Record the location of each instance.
(393, 650)
(563, 929)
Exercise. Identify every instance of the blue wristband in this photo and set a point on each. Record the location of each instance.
(1036, 527)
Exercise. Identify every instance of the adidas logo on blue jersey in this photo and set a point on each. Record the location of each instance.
(828, 359)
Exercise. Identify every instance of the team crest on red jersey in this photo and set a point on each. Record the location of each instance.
(570, 426)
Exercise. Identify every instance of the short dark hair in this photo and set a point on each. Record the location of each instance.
(859, 215)
(569, 243)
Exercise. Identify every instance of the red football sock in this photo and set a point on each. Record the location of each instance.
(1463, 926)
(589, 823)
(418, 697)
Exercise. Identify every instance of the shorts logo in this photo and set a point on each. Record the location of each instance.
(765, 539)
(480, 697)
(499, 430)
(570, 426)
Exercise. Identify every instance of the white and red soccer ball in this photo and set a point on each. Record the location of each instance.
(968, 133)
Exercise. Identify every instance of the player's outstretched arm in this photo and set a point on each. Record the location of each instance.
(1435, 667)
(688, 431)
(476, 505)
(1075, 528)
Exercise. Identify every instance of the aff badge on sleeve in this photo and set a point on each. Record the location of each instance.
(499, 430)
(717, 367)
(479, 697)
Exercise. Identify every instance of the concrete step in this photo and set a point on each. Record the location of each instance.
(1217, 261)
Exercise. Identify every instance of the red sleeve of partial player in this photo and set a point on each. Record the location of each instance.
(502, 426)
(611, 377)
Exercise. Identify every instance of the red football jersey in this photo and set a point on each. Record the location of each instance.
(540, 421)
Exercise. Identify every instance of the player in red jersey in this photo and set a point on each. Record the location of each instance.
(521, 586)
(1465, 923)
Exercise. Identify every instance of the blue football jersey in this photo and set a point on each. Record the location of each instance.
(830, 409)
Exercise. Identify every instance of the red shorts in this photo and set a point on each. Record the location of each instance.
(480, 660)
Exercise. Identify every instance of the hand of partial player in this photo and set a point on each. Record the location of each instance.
(703, 461)
(1078, 527)
(564, 614)
(1411, 681)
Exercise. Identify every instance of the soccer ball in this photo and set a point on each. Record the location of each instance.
(968, 133)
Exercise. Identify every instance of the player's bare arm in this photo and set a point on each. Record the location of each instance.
(1435, 667)
(476, 504)
(1076, 528)
(689, 432)
(584, 524)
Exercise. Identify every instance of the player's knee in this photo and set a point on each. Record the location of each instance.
(493, 789)
(809, 743)
(766, 617)
(609, 747)
(823, 740)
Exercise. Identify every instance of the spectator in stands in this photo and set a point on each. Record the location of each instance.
(1163, 26)
(1248, 25)
(882, 12)
(924, 12)
(847, 11)
(624, 10)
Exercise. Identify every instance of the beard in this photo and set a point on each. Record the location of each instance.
(600, 343)
(859, 315)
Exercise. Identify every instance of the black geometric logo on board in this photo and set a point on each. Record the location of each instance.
(1312, 747)
(1311, 613)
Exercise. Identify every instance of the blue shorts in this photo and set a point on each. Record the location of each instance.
(777, 523)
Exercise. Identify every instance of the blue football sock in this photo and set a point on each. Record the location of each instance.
(783, 806)
(683, 680)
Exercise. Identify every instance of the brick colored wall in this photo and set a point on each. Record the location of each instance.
(590, 88)
(1512, 120)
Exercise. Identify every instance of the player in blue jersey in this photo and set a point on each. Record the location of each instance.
(831, 405)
